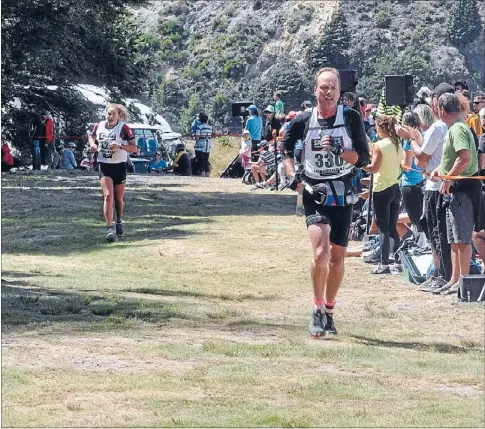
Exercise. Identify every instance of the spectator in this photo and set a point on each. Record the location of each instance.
(195, 125)
(68, 161)
(182, 162)
(270, 123)
(264, 166)
(285, 126)
(426, 117)
(478, 101)
(387, 155)
(306, 106)
(245, 149)
(279, 107)
(460, 86)
(464, 199)
(7, 158)
(254, 125)
(428, 149)
(47, 143)
(412, 176)
(351, 100)
(479, 237)
(158, 164)
(203, 145)
(471, 118)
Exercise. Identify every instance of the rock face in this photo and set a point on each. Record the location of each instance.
(208, 53)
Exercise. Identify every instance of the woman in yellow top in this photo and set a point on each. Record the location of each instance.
(387, 155)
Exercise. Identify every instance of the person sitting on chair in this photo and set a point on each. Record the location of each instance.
(182, 162)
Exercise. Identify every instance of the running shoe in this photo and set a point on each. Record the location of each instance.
(317, 324)
(453, 290)
(111, 235)
(442, 289)
(330, 325)
(119, 229)
(381, 269)
(437, 283)
(396, 269)
(427, 283)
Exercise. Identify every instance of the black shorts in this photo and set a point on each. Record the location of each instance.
(338, 217)
(117, 172)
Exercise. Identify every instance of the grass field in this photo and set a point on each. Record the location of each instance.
(199, 316)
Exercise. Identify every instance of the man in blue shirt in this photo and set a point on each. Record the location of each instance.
(254, 125)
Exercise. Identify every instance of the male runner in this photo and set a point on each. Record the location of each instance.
(334, 144)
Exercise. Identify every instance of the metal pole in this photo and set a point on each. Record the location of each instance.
(369, 205)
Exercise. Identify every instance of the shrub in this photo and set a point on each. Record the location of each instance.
(383, 19)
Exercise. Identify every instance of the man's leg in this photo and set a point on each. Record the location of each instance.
(464, 257)
(479, 242)
(320, 240)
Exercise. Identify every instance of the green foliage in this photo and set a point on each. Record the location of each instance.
(62, 43)
(194, 106)
(233, 67)
(464, 24)
(219, 106)
(224, 141)
(330, 49)
(383, 19)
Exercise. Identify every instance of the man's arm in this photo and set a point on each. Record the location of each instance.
(92, 139)
(430, 144)
(295, 132)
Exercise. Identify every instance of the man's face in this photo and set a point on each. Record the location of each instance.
(327, 90)
(268, 115)
(478, 103)
(482, 120)
(435, 106)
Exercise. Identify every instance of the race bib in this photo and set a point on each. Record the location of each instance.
(104, 149)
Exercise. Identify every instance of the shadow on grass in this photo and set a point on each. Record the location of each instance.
(47, 214)
(28, 306)
(193, 294)
(431, 347)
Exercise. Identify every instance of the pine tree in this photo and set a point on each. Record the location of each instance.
(464, 24)
(329, 50)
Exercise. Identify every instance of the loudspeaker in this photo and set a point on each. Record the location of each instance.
(240, 108)
(348, 80)
(399, 90)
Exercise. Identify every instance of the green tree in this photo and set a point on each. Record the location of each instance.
(330, 49)
(464, 24)
(63, 43)
(194, 107)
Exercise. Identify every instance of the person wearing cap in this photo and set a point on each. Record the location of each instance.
(68, 161)
(254, 125)
(291, 115)
(270, 123)
(182, 162)
(264, 166)
(334, 145)
(464, 203)
(428, 150)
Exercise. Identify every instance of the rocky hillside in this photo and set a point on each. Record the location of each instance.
(206, 54)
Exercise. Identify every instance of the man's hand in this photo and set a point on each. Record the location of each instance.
(93, 148)
(434, 176)
(295, 182)
(445, 187)
(329, 144)
(403, 131)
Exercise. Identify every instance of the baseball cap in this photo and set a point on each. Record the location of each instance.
(442, 88)
(270, 109)
(253, 108)
(291, 115)
(245, 132)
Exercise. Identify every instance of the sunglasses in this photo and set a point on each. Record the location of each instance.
(479, 102)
